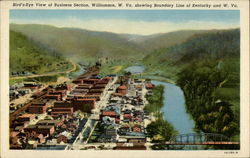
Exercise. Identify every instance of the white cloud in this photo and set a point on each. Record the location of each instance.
(131, 27)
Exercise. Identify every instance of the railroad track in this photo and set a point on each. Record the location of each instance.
(90, 71)
(23, 108)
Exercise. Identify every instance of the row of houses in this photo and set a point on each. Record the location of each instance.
(61, 130)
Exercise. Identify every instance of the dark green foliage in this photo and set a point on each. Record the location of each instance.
(210, 46)
(44, 79)
(155, 101)
(207, 68)
(202, 84)
(26, 56)
(159, 130)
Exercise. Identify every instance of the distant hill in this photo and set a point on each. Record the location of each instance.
(84, 45)
(28, 57)
(164, 40)
(214, 45)
(79, 44)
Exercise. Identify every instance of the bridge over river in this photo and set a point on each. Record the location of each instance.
(189, 140)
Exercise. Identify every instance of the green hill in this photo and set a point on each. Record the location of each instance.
(164, 40)
(213, 45)
(84, 45)
(207, 68)
(81, 45)
(28, 57)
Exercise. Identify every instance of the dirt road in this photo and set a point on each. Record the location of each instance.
(47, 74)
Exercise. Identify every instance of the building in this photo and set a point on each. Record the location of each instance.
(62, 111)
(85, 105)
(84, 86)
(37, 108)
(62, 138)
(54, 97)
(136, 128)
(122, 90)
(63, 104)
(130, 146)
(31, 85)
(55, 123)
(96, 96)
(90, 81)
(57, 95)
(37, 129)
(63, 87)
(77, 81)
(112, 114)
(149, 86)
(26, 117)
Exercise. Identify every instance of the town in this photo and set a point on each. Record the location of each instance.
(92, 112)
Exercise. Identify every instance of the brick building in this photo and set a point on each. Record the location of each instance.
(37, 108)
(122, 90)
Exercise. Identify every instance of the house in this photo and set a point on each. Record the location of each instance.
(149, 86)
(127, 117)
(112, 112)
(123, 130)
(136, 128)
(64, 137)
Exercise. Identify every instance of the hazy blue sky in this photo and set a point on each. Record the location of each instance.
(130, 21)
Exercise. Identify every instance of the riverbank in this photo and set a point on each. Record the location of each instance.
(159, 130)
(174, 109)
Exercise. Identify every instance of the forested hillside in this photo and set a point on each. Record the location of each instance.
(26, 57)
(81, 45)
(207, 68)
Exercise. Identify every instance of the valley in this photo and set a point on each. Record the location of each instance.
(203, 64)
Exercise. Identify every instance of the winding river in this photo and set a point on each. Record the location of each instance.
(174, 104)
(77, 73)
(174, 108)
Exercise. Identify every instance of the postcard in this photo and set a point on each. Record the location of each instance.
(124, 78)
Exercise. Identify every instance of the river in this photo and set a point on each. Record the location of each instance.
(174, 108)
(174, 104)
(135, 69)
(77, 73)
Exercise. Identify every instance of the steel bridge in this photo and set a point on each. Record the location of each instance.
(200, 139)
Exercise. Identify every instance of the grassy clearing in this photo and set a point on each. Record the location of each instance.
(117, 68)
